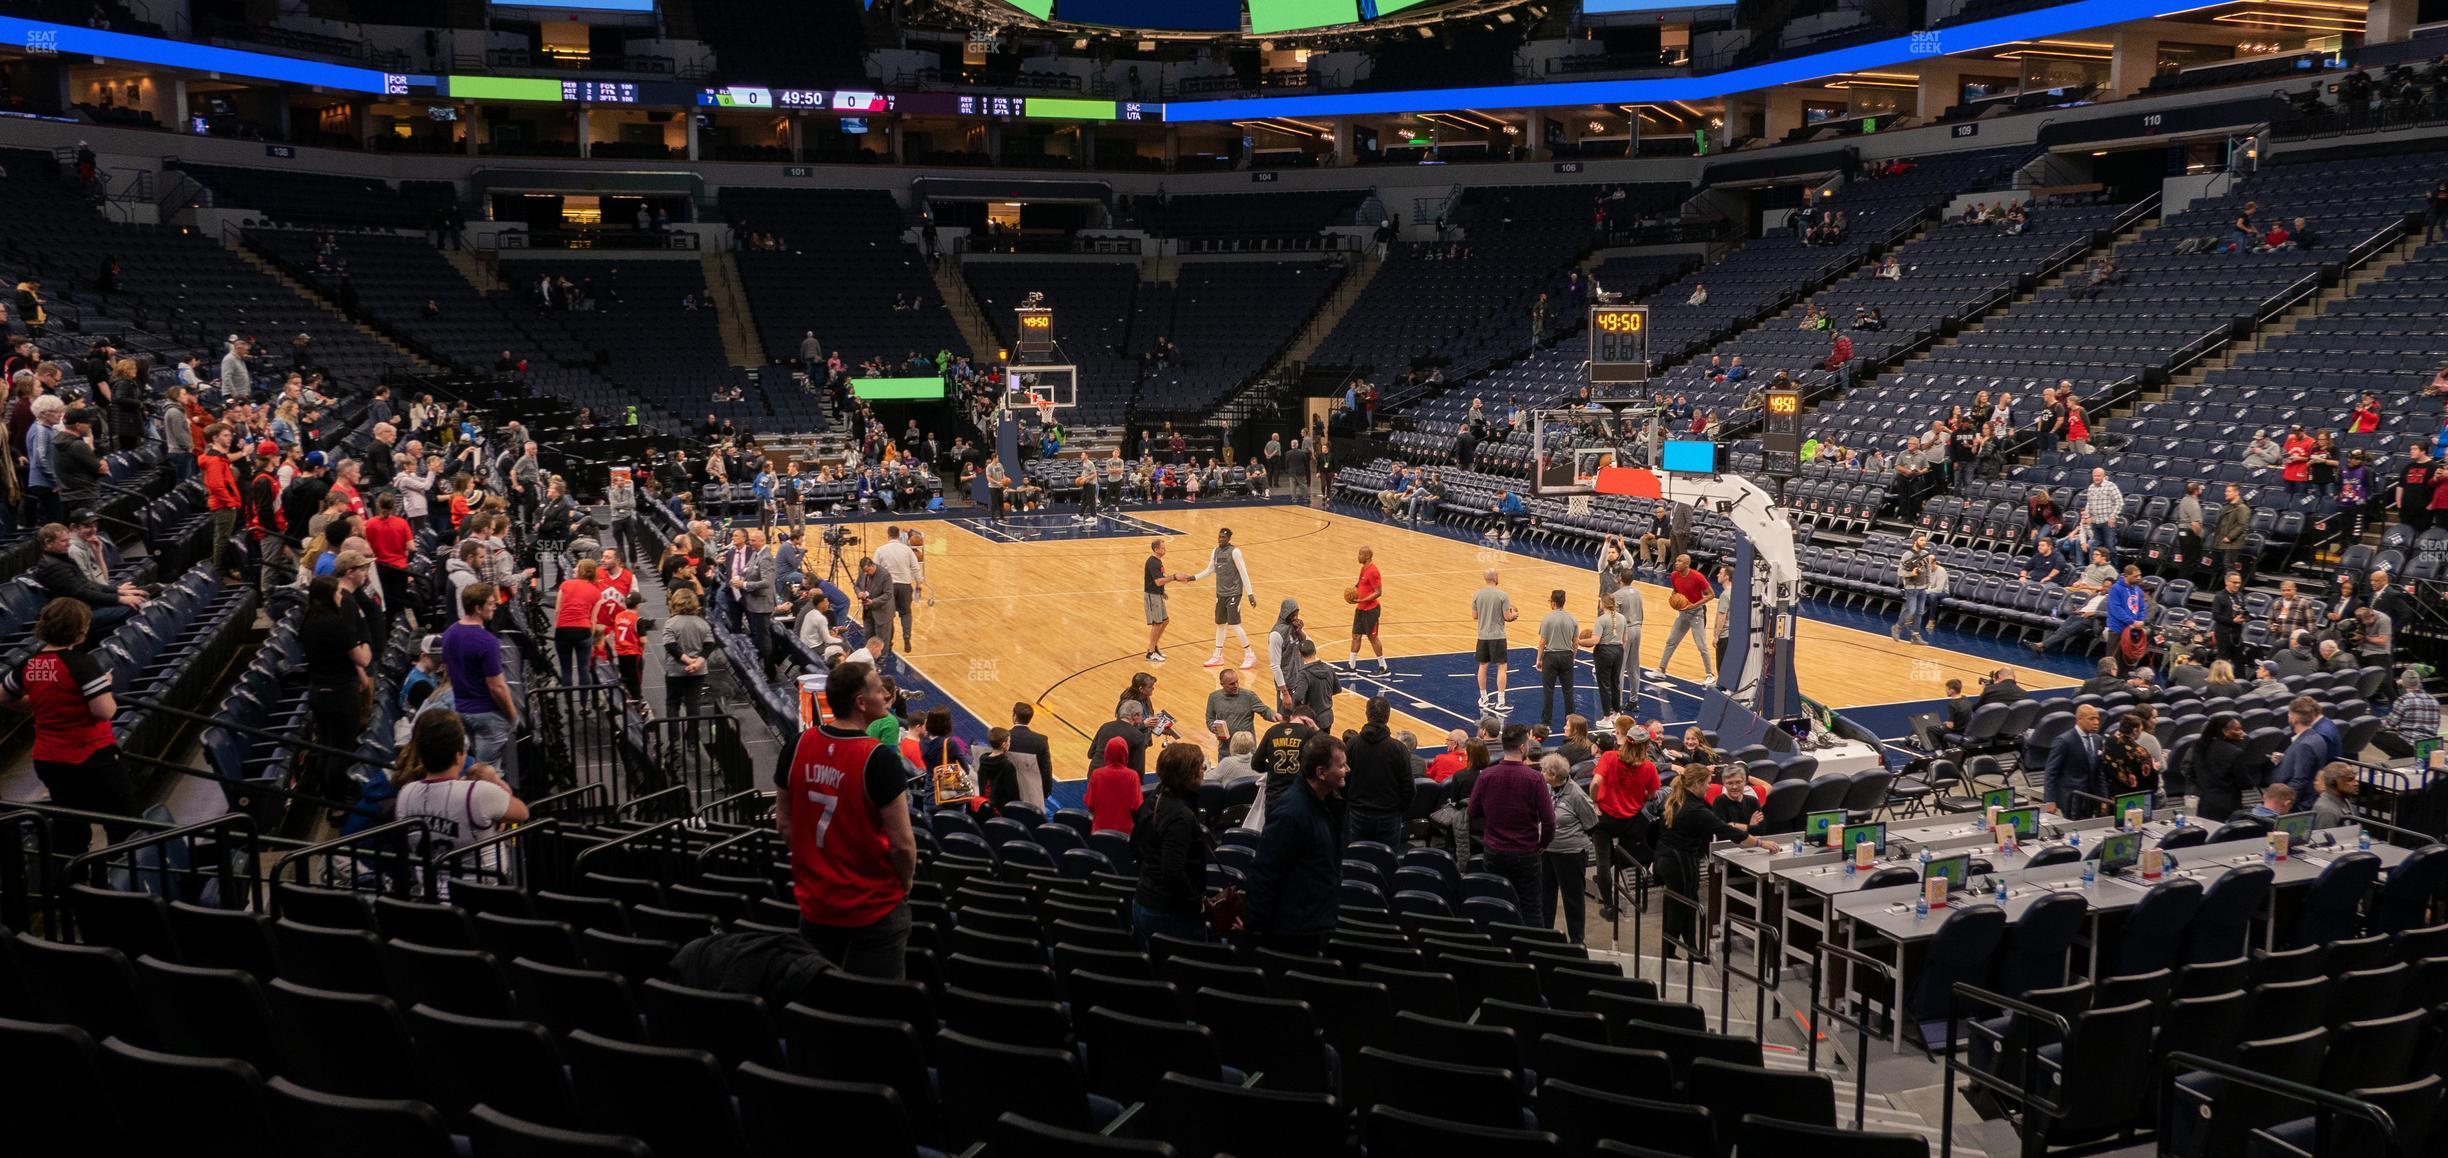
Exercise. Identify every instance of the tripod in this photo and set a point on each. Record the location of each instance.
(838, 540)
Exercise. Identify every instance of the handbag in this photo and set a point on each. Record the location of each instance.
(1222, 908)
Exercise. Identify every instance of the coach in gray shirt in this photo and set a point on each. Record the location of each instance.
(1559, 638)
(1232, 708)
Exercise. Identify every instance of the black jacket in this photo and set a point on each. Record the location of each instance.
(61, 578)
(1380, 776)
(2001, 692)
(779, 967)
(77, 468)
(1132, 734)
(2222, 780)
(1171, 847)
(1029, 741)
(1300, 854)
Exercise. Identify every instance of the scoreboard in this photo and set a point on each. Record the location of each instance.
(1036, 326)
(1781, 433)
(1618, 345)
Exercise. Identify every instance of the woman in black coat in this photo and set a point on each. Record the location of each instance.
(2221, 781)
(1170, 844)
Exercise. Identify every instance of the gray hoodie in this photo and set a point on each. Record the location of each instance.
(1283, 644)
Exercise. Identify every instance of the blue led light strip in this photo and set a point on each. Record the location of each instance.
(2046, 22)
(71, 40)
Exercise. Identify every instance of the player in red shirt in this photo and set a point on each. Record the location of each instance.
(1364, 613)
(75, 754)
(842, 809)
(1692, 620)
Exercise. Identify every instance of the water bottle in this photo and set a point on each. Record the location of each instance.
(2000, 881)
(2074, 841)
(2090, 871)
(2179, 818)
(1848, 866)
(1925, 859)
(1797, 846)
(2362, 838)
(1921, 907)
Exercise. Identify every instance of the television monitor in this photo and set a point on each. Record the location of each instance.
(1815, 826)
(1875, 834)
(853, 126)
(2025, 821)
(2130, 801)
(924, 389)
(1998, 798)
(2297, 826)
(1689, 457)
(2119, 851)
(1957, 870)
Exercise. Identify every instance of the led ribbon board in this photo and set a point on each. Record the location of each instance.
(897, 389)
(2035, 25)
(72, 40)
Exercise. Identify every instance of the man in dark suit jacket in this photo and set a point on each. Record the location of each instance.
(1028, 741)
(2002, 689)
(2073, 765)
(2104, 681)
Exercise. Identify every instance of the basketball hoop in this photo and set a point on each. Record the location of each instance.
(1577, 506)
(1044, 407)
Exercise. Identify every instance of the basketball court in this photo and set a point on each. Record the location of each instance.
(1042, 609)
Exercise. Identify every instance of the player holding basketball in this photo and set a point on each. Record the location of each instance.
(1690, 601)
(1363, 597)
(1233, 584)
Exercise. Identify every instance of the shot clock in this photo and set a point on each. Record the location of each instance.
(1619, 347)
(1781, 433)
(1036, 330)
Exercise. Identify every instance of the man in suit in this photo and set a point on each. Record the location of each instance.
(752, 583)
(2073, 765)
(1031, 752)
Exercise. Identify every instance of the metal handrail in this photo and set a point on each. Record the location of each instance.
(1692, 954)
(1765, 946)
(1836, 1013)
(578, 866)
(425, 851)
(2032, 1103)
(444, 864)
(16, 889)
(633, 805)
(2324, 1103)
(239, 824)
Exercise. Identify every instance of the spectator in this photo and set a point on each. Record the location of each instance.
(336, 653)
(1699, 294)
(1691, 827)
(1912, 576)
(840, 806)
(2413, 718)
(2296, 453)
(2126, 765)
(2103, 505)
(1291, 897)
(1516, 818)
(1172, 849)
(2263, 454)
(76, 755)
(471, 653)
(1377, 788)
(1236, 766)
(461, 800)
(2314, 745)
(2290, 612)
(2127, 603)
(2074, 766)
(574, 624)
(1565, 861)
(2335, 808)
(2046, 565)
(1620, 787)
(2276, 800)
(2232, 532)
(2221, 777)
(61, 578)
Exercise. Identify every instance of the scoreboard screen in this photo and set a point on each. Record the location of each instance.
(1619, 344)
(1036, 330)
(1781, 433)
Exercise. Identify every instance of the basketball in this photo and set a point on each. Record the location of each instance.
(1677, 601)
(1351, 595)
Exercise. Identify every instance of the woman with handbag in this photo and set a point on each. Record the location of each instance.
(1171, 846)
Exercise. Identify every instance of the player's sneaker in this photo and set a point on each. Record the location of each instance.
(1155, 657)
(1249, 660)
(1216, 660)
(1384, 668)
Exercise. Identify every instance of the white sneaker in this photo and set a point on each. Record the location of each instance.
(1384, 668)
(1216, 660)
(1155, 657)
(1249, 660)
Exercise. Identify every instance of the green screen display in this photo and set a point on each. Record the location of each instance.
(1069, 109)
(1041, 9)
(1287, 15)
(505, 88)
(897, 389)
(1390, 7)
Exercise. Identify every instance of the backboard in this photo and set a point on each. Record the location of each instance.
(1040, 389)
(1569, 447)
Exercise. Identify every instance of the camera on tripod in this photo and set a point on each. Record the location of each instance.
(837, 535)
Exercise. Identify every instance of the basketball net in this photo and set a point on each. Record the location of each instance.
(1577, 505)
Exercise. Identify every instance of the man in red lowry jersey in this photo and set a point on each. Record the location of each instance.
(840, 809)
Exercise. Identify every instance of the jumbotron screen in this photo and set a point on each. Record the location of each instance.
(1292, 15)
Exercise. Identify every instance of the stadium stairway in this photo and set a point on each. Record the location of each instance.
(312, 294)
(954, 289)
(738, 326)
(471, 265)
